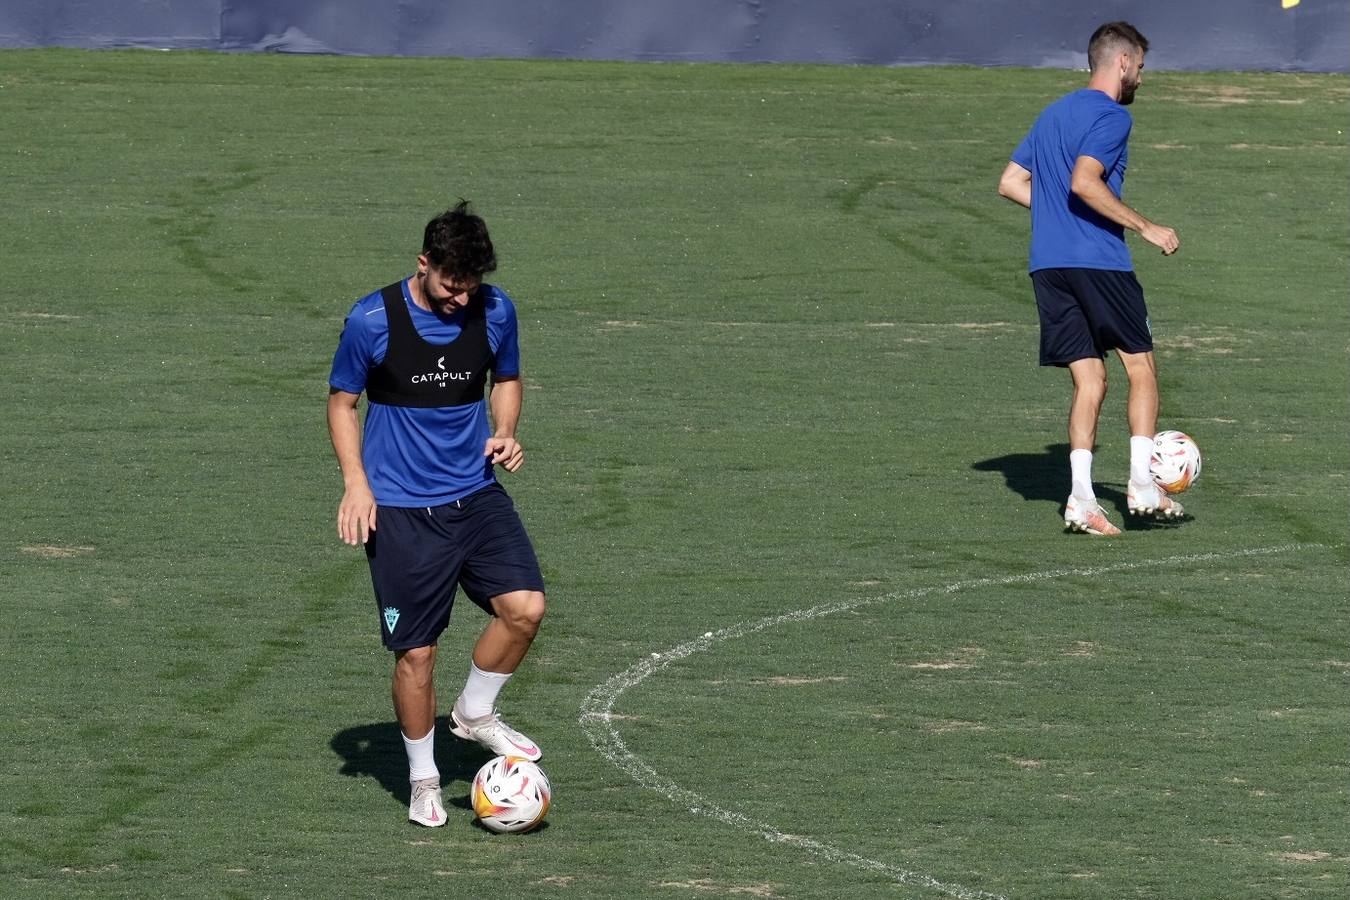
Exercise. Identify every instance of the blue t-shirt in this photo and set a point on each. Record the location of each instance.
(1065, 232)
(418, 456)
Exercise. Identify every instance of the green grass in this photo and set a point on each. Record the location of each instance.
(779, 353)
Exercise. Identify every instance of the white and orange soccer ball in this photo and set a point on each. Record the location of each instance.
(510, 795)
(1174, 462)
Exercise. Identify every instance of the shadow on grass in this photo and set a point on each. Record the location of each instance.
(1036, 476)
(376, 751)
(1045, 476)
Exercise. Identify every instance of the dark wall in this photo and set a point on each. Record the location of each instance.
(1312, 35)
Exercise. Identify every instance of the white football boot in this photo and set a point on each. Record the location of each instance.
(426, 807)
(1087, 516)
(1151, 500)
(494, 734)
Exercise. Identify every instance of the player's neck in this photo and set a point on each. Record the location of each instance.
(419, 296)
(1106, 84)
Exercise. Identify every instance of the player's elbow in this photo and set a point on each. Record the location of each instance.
(1015, 185)
(1082, 185)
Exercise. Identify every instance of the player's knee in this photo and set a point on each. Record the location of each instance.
(533, 610)
(522, 611)
(1089, 377)
(416, 664)
(1139, 365)
(1092, 389)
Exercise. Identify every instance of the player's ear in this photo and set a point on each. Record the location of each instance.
(422, 264)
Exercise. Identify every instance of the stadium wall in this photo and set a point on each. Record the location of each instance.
(1277, 35)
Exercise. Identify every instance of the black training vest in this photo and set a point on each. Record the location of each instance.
(417, 373)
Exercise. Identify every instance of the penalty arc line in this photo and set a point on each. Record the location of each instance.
(597, 720)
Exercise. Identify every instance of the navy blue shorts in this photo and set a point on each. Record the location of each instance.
(1087, 312)
(418, 556)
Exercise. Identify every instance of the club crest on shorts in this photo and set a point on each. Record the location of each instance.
(390, 618)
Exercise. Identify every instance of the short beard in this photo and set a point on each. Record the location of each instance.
(1127, 93)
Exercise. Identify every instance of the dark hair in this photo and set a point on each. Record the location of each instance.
(1112, 38)
(456, 242)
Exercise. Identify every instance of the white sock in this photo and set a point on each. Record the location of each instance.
(1080, 469)
(422, 757)
(1141, 449)
(479, 696)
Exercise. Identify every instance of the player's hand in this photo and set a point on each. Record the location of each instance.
(356, 516)
(1161, 237)
(505, 452)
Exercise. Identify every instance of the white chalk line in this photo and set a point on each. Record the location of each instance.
(597, 710)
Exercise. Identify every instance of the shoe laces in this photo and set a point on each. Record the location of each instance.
(495, 721)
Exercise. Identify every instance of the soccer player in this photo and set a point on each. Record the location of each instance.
(1069, 171)
(419, 489)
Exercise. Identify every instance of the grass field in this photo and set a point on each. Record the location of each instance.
(793, 474)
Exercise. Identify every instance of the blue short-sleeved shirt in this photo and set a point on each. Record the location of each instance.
(1065, 232)
(417, 456)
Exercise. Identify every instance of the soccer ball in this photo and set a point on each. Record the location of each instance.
(510, 795)
(1174, 462)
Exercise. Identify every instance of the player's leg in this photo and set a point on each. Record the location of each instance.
(1067, 340)
(501, 575)
(1081, 510)
(413, 573)
(507, 638)
(1142, 408)
(1123, 324)
(1141, 411)
(1085, 409)
(1089, 393)
(414, 690)
(1143, 497)
(415, 706)
(499, 651)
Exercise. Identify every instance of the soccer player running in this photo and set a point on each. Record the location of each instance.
(1069, 171)
(419, 489)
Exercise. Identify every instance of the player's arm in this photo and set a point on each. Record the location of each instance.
(1088, 186)
(505, 401)
(1015, 184)
(356, 512)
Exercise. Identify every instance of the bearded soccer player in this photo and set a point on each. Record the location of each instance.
(420, 490)
(1069, 171)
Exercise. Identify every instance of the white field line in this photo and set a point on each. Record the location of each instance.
(597, 721)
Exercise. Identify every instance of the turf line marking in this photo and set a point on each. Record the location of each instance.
(597, 719)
